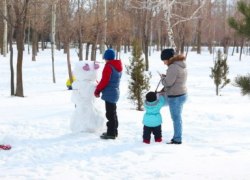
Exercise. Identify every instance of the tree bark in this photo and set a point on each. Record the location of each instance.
(93, 52)
(28, 37)
(34, 36)
(241, 48)
(53, 32)
(80, 33)
(20, 27)
(104, 37)
(69, 63)
(5, 29)
(12, 85)
(210, 44)
(199, 31)
(167, 16)
(145, 38)
(199, 37)
(19, 75)
(87, 51)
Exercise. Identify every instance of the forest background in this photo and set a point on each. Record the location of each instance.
(99, 24)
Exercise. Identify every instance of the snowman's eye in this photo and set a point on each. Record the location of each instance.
(86, 67)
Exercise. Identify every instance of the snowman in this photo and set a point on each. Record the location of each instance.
(86, 117)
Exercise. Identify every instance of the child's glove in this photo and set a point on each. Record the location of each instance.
(97, 93)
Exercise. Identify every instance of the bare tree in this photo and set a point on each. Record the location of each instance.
(20, 10)
(145, 9)
(10, 24)
(208, 25)
(167, 7)
(66, 31)
(34, 33)
(179, 18)
(172, 18)
(104, 34)
(8, 18)
(79, 29)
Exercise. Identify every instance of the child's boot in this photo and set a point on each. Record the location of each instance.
(158, 140)
(146, 141)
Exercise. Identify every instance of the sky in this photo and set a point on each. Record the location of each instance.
(216, 136)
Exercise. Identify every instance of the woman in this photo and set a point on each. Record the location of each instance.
(174, 83)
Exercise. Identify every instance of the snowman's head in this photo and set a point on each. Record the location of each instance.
(86, 70)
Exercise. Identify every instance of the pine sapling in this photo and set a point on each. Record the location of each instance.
(139, 78)
(244, 83)
(219, 72)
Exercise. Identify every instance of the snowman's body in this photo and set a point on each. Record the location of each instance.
(87, 117)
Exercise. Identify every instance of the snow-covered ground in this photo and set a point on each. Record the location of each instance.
(216, 137)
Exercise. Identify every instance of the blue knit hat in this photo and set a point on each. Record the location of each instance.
(109, 54)
(166, 54)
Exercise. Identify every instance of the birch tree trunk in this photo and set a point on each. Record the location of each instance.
(158, 46)
(5, 29)
(150, 37)
(53, 33)
(167, 7)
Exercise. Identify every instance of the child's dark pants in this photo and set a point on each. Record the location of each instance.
(155, 130)
(111, 115)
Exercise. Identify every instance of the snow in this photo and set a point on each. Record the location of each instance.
(216, 136)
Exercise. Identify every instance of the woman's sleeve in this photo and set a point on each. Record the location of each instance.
(170, 78)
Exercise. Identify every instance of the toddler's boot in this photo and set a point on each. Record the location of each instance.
(146, 141)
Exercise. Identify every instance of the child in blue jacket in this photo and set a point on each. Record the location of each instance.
(152, 119)
(109, 87)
